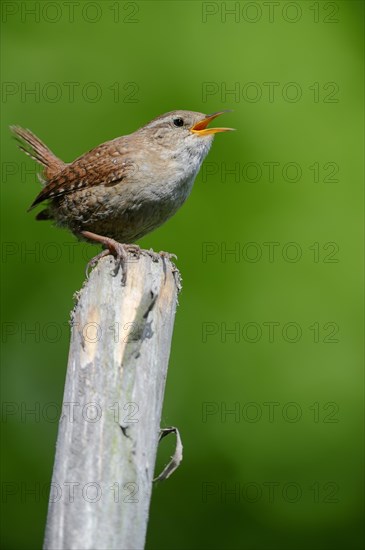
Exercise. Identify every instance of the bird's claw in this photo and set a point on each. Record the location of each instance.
(122, 254)
(92, 263)
(156, 256)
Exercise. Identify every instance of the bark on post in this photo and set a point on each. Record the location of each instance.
(109, 428)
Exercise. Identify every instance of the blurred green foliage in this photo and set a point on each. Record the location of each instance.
(293, 73)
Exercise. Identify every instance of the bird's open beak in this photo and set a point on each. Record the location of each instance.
(200, 128)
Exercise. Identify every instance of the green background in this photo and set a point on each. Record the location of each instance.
(146, 58)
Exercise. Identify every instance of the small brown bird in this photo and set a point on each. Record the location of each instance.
(123, 189)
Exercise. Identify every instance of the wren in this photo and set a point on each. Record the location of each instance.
(124, 188)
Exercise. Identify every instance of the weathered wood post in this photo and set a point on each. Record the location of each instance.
(110, 423)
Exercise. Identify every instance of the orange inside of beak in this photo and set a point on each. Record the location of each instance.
(200, 128)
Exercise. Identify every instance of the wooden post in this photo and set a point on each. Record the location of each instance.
(110, 424)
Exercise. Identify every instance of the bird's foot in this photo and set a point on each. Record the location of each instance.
(92, 263)
(121, 252)
(156, 256)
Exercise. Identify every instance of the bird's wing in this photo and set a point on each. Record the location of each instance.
(107, 164)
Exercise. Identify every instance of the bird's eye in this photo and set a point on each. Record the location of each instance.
(178, 122)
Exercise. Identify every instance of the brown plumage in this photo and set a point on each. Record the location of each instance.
(126, 187)
(93, 168)
(38, 151)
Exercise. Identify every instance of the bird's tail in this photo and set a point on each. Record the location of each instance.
(37, 150)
